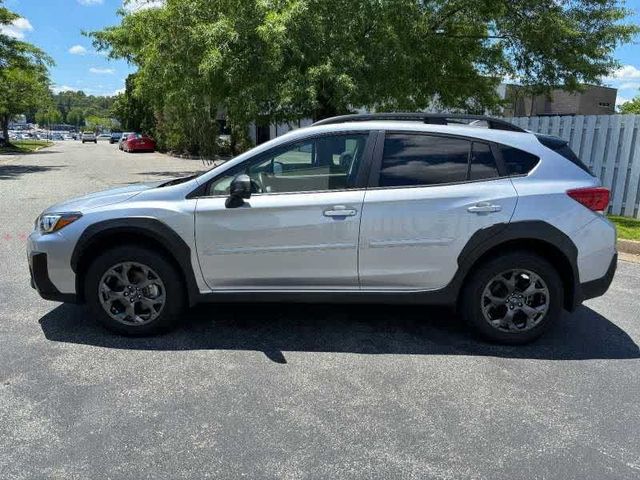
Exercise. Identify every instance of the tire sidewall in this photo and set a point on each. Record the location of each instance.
(474, 289)
(174, 292)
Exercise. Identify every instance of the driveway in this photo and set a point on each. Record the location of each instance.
(291, 391)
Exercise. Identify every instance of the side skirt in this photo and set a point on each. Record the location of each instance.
(445, 296)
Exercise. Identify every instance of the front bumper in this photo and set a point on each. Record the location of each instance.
(42, 283)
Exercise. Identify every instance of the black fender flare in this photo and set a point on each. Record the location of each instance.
(155, 230)
(511, 233)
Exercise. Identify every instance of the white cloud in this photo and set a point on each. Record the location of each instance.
(88, 3)
(626, 72)
(137, 5)
(102, 71)
(62, 88)
(17, 28)
(78, 50)
(629, 86)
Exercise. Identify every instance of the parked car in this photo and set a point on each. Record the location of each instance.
(125, 135)
(89, 137)
(505, 225)
(104, 137)
(115, 137)
(137, 142)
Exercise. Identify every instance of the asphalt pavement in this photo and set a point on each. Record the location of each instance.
(296, 392)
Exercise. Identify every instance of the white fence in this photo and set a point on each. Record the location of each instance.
(608, 144)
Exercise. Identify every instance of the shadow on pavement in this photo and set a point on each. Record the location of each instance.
(11, 171)
(277, 328)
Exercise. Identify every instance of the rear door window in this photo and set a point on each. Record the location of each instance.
(483, 164)
(414, 159)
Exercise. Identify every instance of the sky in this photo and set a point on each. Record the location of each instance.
(56, 26)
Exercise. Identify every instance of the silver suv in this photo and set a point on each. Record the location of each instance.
(88, 137)
(503, 224)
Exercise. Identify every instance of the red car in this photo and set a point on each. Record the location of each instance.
(137, 142)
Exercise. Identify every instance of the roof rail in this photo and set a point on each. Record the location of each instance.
(428, 118)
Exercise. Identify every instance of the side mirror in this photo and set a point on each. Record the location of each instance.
(239, 190)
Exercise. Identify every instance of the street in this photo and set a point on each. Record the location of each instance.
(296, 391)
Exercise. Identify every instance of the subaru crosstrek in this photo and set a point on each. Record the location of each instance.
(503, 224)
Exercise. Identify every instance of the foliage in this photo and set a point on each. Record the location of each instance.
(281, 60)
(23, 75)
(75, 116)
(100, 123)
(22, 89)
(632, 106)
(132, 111)
(75, 106)
(48, 116)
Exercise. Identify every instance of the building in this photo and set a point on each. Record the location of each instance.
(593, 100)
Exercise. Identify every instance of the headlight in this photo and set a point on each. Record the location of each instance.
(52, 222)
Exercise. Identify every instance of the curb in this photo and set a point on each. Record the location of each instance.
(629, 246)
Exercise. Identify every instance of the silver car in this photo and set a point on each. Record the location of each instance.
(89, 137)
(503, 224)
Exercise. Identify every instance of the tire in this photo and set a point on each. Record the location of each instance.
(523, 317)
(165, 280)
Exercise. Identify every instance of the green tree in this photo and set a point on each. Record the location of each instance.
(21, 89)
(95, 122)
(48, 116)
(75, 116)
(132, 110)
(281, 60)
(23, 75)
(632, 106)
(69, 101)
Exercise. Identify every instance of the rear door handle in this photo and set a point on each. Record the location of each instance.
(340, 211)
(484, 207)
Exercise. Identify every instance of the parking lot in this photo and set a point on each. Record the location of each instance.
(291, 391)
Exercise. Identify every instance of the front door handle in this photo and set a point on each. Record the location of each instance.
(340, 211)
(484, 207)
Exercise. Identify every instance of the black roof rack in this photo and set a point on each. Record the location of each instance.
(429, 118)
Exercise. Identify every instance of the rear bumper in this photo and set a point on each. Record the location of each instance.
(598, 287)
(42, 283)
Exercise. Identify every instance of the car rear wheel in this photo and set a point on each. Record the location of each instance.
(513, 298)
(134, 291)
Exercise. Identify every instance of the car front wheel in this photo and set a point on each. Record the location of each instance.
(513, 298)
(134, 291)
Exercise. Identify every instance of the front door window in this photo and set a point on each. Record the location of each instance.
(319, 164)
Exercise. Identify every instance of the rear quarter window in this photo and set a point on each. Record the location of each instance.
(518, 162)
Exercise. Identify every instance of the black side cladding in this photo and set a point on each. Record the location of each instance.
(562, 147)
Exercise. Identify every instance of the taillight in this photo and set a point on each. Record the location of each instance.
(594, 198)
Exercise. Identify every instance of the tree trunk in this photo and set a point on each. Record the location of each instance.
(4, 121)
